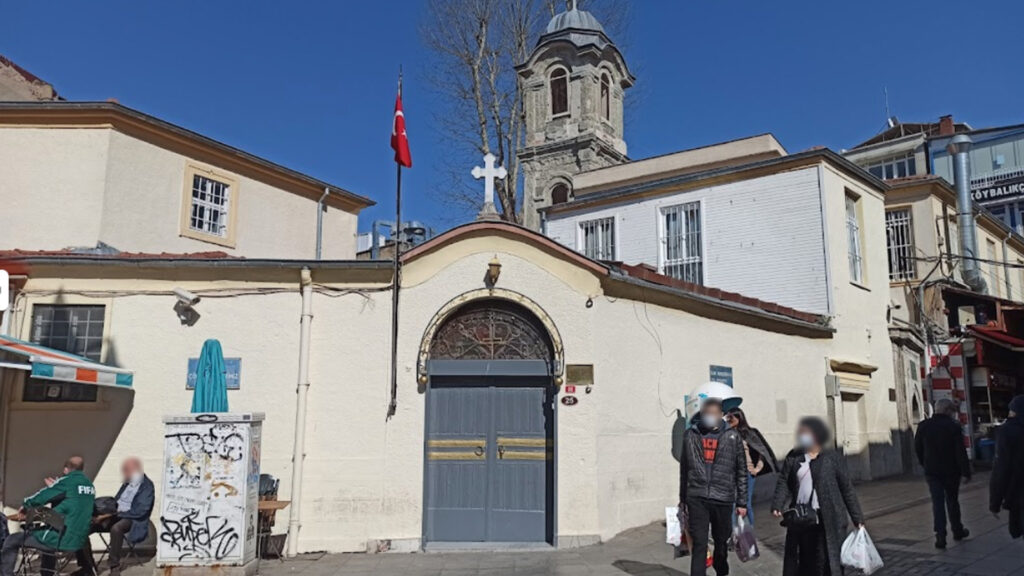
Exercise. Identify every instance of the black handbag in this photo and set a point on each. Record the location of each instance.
(800, 516)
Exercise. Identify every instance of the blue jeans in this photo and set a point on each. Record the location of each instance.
(750, 502)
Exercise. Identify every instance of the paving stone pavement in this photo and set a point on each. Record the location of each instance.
(899, 521)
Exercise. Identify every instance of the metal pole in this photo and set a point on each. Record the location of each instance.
(395, 285)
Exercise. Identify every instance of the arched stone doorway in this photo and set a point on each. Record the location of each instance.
(490, 426)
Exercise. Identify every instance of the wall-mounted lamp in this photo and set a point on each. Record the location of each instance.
(493, 271)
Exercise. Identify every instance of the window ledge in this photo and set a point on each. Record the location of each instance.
(210, 238)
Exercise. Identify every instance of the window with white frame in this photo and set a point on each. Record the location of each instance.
(211, 202)
(900, 244)
(853, 240)
(597, 238)
(899, 166)
(681, 249)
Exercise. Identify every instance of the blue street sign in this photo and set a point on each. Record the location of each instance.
(722, 374)
(232, 373)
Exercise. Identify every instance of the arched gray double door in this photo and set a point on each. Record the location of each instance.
(490, 428)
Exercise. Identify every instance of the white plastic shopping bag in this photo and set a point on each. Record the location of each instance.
(744, 540)
(673, 529)
(859, 552)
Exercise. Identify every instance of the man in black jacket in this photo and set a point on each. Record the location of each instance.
(940, 450)
(1006, 489)
(712, 479)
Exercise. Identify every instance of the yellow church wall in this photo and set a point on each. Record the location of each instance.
(363, 480)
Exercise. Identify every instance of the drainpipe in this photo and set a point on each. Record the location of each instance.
(1006, 270)
(299, 450)
(320, 221)
(958, 148)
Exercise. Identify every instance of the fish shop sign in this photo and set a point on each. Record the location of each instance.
(1006, 189)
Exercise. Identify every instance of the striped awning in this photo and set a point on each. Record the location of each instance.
(50, 364)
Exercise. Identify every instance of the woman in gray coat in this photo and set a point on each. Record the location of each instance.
(816, 480)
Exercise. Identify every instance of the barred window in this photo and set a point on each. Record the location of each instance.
(597, 238)
(74, 329)
(211, 201)
(682, 254)
(853, 240)
(900, 242)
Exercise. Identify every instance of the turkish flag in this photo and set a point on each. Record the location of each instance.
(399, 139)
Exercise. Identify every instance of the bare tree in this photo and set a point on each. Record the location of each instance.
(476, 45)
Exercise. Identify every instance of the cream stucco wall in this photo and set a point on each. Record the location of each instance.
(861, 325)
(74, 187)
(364, 475)
(51, 187)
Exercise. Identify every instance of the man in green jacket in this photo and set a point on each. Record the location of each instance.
(72, 497)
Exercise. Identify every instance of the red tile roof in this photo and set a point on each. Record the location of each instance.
(28, 76)
(647, 273)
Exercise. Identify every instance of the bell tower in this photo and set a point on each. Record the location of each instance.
(574, 87)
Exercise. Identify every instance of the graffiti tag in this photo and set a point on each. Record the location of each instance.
(209, 538)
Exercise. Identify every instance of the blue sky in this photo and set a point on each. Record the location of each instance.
(311, 84)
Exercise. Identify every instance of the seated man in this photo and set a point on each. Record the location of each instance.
(72, 495)
(131, 521)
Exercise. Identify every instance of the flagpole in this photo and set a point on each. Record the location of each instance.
(396, 279)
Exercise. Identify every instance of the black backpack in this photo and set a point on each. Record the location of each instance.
(104, 505)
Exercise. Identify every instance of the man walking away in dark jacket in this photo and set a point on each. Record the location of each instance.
(940, 450)
(712, 479)
(1007, 483)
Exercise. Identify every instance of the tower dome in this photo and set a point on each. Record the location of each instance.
(574, 18)
(577, 26)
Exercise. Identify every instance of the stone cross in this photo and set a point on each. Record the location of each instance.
(489, 173)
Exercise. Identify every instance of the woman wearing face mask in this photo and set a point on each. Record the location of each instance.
(814, 496)
(760, 458)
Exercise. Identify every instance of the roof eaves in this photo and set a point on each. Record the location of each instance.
(186, 262)
(621, 191)
(725, 304)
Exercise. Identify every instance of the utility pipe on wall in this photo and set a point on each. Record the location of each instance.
(958, 148)
(1006, 269)
(299, 449)
(320, 222)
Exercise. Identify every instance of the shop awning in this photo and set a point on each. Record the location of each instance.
(998, 337)
(50, 364)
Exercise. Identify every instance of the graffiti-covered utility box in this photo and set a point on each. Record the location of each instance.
(210, 493)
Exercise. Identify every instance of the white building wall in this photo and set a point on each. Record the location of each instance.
(64, 187)
(868, 421)
(762, 237)
(51, 188)
(364, 475)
